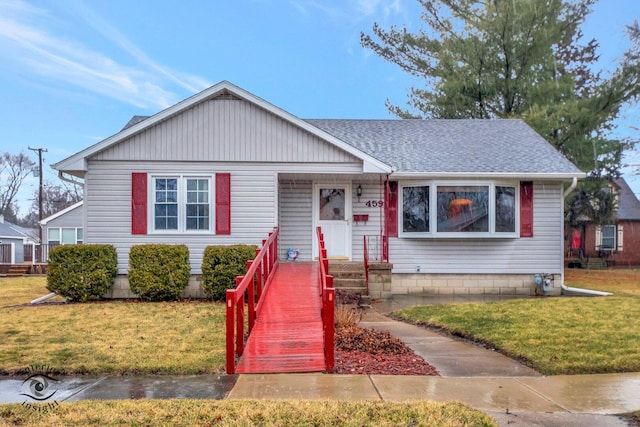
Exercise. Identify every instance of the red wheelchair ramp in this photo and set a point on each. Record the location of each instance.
(288, 334)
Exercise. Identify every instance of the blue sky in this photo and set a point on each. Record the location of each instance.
(73, 72)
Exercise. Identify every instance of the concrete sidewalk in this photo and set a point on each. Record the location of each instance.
(515, 396)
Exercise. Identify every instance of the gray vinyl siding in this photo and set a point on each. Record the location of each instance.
(226, 130)
(539, 254)
(253, 204)
(296, 218)
(372, 228)
(108, 205)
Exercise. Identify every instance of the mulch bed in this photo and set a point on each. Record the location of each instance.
(367, 351)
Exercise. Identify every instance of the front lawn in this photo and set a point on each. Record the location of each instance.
(112, 337)
(617, 281)
(558, 335)
(247, 413)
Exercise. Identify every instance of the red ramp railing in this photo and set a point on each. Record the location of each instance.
(328, 303)
(249, 288)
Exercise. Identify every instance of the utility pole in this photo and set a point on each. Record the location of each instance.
(40, 151)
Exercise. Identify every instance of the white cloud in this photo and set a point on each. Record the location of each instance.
(351, 12)
(29, 41)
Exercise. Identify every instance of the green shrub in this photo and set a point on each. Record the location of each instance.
(159, 272)
(82, 272)
(221, 265)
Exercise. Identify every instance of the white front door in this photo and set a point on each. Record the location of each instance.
(332, 212)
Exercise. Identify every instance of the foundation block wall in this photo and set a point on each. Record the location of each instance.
(120, 288)
(465, 284)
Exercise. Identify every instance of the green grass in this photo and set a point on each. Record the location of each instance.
(22, 290)
(112, 337)
(618, 281)
(567, 335)
(247, 413)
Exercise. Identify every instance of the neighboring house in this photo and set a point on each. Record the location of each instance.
(11, 244)
(65, 227)
(467, 206)
(618, 242)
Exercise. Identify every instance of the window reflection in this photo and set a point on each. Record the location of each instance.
(332, 204)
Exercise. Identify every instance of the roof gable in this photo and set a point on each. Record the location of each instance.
(628, 203)
(223, 129)
(77, 163)
(62, 212)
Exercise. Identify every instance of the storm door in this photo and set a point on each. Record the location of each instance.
(332, 212)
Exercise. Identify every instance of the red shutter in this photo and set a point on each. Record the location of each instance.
(138, 203)
(223, 203)
(391, 209)
(526, 209)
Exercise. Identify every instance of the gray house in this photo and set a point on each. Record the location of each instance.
(65, 227)
(456, 206)
(11, 244)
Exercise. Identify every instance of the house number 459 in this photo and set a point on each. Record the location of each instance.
(374, 203)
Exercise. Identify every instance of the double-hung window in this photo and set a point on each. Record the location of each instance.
(608, 237)
(181, 204)
(443, 209)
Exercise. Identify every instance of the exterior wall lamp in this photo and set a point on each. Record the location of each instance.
(359, 192)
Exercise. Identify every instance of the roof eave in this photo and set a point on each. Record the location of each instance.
(512, 175)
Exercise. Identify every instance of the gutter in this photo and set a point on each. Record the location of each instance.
(69, 180)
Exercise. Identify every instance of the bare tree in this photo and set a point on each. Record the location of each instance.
(55, 197)
(14, 169)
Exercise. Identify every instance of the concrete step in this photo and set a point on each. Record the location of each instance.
(345, 266)
(349, 283)
(348, 274)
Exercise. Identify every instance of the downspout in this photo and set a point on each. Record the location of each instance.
(568, 289)
(44, 298)
(572, 187)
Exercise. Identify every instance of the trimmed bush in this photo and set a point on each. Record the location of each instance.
(220, 267)
(159, 272)
(82, 272)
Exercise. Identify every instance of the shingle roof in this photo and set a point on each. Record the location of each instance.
(450, 146)
(628, 203)
(134, 121)
(8, 230)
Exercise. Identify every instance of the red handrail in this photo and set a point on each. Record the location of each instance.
(254, 283)
(328, 301)
(366, 262)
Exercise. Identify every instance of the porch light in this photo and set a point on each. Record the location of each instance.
(359, 192)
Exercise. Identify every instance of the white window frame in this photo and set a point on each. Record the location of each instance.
(59, 231)
(433, 189)
(182, 204)
(614, 237)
